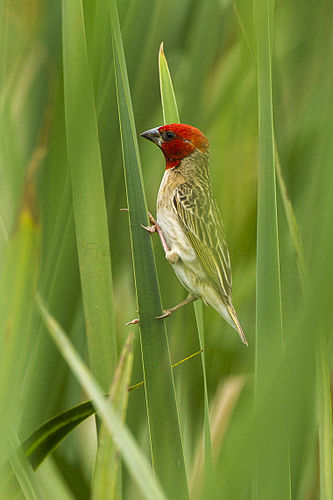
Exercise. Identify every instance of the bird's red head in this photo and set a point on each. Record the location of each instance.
(177, 141)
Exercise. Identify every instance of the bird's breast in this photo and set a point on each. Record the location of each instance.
(169, 222)
(173, 232)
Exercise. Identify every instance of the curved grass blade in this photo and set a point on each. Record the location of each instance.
(88, 196)
(269, 341)
(107, 478)
(47, 438)
(164, 429)
(292, 225)
(134, 459)
(170, 115)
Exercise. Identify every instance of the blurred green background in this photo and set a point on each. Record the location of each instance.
(211, 52)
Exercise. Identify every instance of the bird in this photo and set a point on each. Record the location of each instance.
(189, 222)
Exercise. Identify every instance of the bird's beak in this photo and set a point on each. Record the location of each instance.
(153, 135)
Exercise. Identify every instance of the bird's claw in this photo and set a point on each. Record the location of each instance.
(152, 219)
(135, 321)
(150, 229)
(154, 226)
(165, 314)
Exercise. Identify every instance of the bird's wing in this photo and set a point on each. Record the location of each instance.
(200, 218)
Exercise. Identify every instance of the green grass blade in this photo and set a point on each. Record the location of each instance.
(324, 418)
(54, 485)
(47, 438)
(287, 205)
(18, 280)
(268, 307)
(171, 115)
(88, 196)
(268, 267)
(23, 471)
(292, 225)
(134, 459)
(107, 479)
(168, 98)
(209, 481)
(164, 428)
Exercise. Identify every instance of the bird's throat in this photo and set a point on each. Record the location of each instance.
(171, 163)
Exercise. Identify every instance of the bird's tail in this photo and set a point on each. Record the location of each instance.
(236, 323)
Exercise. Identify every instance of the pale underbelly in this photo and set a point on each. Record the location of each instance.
(188, 268)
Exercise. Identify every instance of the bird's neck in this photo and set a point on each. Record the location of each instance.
(195, 166)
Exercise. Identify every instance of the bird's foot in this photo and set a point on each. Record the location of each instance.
(165, 314)
(152, 220)
(156, 228)
(168, 312)
(150, 229)
(135, 321)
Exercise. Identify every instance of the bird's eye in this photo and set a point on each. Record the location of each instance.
(169, 135)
